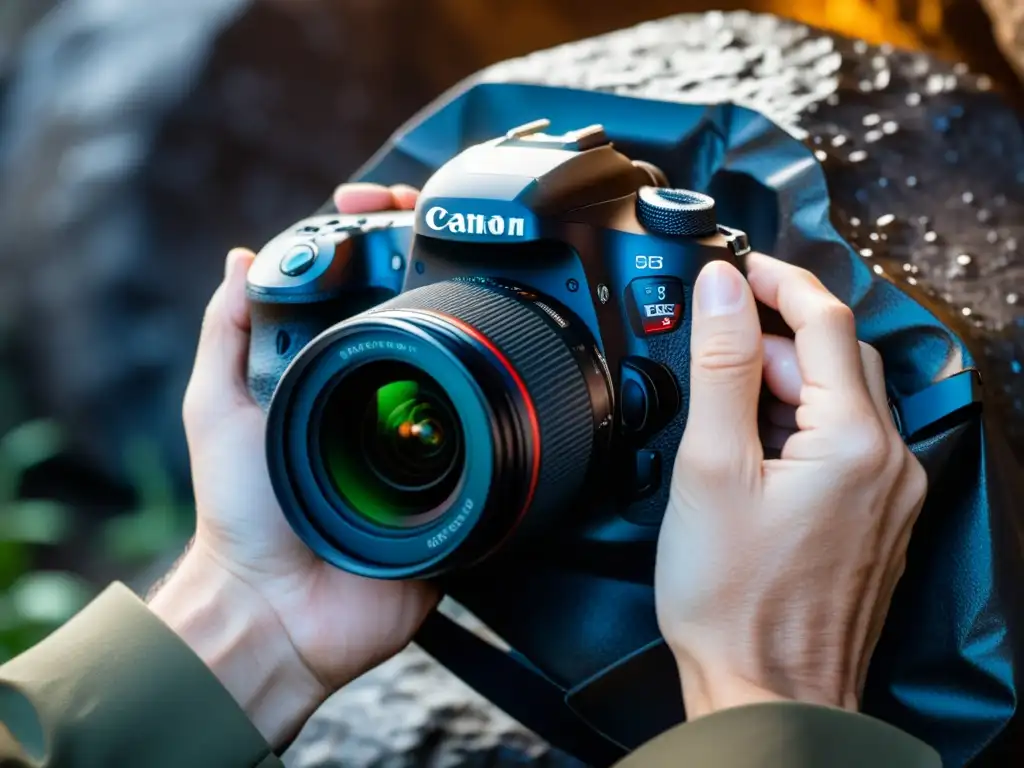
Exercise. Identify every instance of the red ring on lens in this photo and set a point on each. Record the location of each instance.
(531, 411)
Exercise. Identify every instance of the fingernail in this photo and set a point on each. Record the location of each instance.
(719, 289)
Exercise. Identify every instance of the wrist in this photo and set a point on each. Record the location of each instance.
(238, 636)
(707, 690)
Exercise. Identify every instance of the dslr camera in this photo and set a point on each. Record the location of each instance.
(501, 372)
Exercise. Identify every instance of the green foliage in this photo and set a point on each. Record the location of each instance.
(31, 603)
(34, 602)
(159, 522)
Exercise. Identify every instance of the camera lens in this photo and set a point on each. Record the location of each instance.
(417, 437)
(391, 443)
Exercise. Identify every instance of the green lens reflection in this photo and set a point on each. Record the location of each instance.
(392, 443)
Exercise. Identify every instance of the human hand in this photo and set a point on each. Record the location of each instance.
(280, 628)
(774, 577)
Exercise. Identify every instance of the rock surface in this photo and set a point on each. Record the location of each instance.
(413, 713)
(1008, 29)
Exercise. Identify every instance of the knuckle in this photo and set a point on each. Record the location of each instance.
(808, 284)
(866, 449)
(190, 408)
(870, 355)
(707, 472)
(808, 278)
(916, 479)
(836, 316)
(725, 352)
(699, 463)
(716, 465)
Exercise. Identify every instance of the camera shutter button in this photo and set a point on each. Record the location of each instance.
(298, 259)
(676, 212)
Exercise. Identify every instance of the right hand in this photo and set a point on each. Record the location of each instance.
(774, 577)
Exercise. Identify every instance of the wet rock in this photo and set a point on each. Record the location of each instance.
(412, 713)
(1008, 29)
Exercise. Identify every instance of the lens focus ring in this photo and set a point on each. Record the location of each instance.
(534, 347)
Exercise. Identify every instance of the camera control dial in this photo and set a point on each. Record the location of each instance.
(298, 259)
(676, 212)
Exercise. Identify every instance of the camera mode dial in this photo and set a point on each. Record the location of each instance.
(676, 212)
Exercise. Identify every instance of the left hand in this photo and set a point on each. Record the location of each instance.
(281, 628)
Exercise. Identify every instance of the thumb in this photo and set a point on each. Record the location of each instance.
(725, 375)
(218, 384)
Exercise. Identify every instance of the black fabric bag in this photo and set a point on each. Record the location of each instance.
(588, 669)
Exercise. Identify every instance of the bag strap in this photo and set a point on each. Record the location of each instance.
(517, 688)
(938, 406)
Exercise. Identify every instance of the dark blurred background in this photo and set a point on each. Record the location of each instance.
(141, 139)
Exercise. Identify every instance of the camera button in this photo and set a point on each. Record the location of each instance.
(676, 212)
(634, 404)
(298, 259)
(646, 473)
(649, 397)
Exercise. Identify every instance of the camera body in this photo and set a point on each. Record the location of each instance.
(504, 368)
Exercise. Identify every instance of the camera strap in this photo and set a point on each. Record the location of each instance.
(517, 688)
(946, 402)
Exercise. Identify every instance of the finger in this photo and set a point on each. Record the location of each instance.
(824, 327)
(782, 369)
(404, 196)
(725, 373)
(364, 198)
(874, 377)
(218, 381)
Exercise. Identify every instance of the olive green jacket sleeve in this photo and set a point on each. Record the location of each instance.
(784, 735)
(116, 687)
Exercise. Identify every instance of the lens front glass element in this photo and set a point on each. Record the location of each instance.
(392, 444)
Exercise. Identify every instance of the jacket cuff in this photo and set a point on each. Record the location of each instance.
(116, 681)
(792, 734)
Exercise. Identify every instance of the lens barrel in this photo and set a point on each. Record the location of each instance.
(414, 438)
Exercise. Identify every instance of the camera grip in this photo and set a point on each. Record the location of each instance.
(279, 333)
